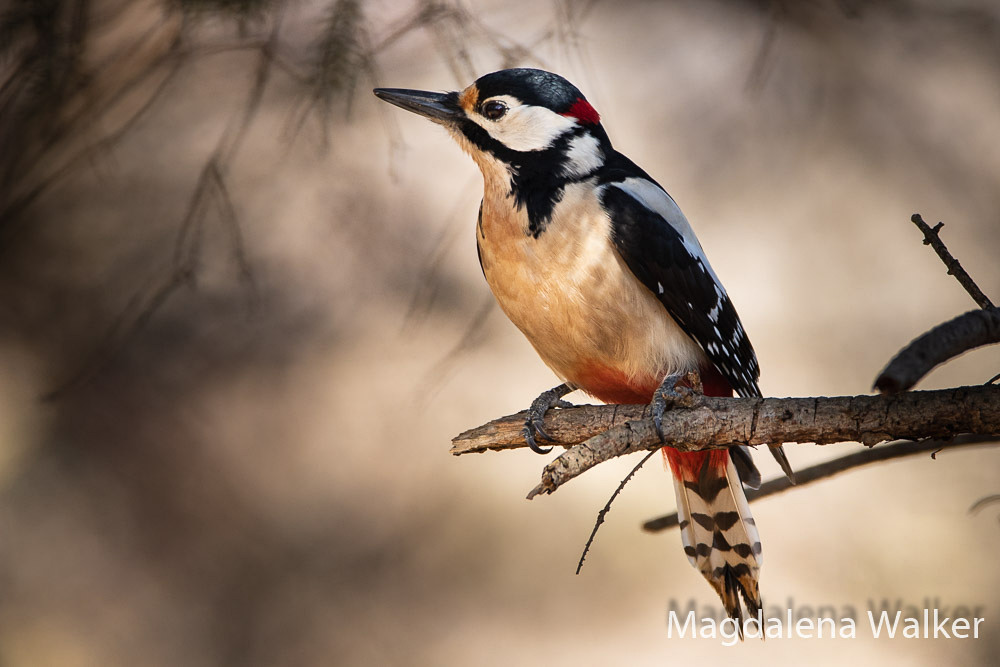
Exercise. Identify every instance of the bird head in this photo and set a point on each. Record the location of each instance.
(528, 120)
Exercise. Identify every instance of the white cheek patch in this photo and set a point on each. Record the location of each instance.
(524, 128)
(583, 156)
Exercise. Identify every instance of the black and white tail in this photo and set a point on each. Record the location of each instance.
(719, 534)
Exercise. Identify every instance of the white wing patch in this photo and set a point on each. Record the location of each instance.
(656, 199)
(712, 321)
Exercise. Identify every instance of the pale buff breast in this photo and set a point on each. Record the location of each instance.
(573, 296)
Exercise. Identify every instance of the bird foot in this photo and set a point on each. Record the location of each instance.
(678, 390)
(533, 425)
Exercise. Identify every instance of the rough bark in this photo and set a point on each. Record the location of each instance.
(595, 434)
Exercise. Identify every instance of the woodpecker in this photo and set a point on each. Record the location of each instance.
(595, 263)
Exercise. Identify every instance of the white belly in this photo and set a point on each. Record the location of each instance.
(573, 296)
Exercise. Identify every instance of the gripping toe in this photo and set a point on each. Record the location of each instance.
(534, 424)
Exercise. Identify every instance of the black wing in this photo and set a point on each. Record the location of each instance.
(678, 273)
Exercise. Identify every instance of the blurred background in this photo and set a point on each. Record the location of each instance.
(242, 318)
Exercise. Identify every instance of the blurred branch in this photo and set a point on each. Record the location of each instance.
(887, 452)
(983, 502)
(133, 318)
(43, 145)
(210, 187)
(762, 60)
(77, 77)
(339, 55)
(945, 341)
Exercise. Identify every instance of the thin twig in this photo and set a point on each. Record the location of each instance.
(607, 508)
(932, 238)
(836, 466)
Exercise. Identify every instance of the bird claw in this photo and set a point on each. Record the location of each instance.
(657, 408)
(530, 429)
(534, 424)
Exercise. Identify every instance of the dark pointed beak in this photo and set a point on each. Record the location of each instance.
(438, 107)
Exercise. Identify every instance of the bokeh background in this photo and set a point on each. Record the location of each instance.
(241, 318)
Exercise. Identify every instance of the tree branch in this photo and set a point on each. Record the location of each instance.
(893, 450)
(932, 238)
(948, 340)
(940, 419)
(595, 434)
(945, 341)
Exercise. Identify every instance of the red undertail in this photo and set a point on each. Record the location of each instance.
(719, 534)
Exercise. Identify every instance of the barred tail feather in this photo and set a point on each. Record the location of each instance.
(719, 534)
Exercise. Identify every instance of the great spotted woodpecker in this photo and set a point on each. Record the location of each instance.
(595, 263)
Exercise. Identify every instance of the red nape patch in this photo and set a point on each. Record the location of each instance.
(686, 466)
(583, 112)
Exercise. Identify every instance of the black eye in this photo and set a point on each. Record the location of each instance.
(493, 109)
